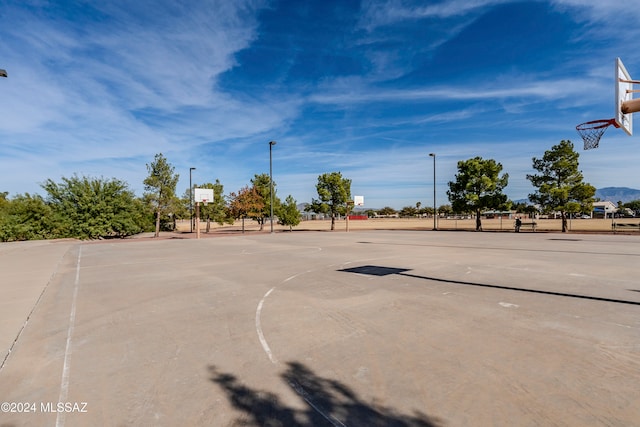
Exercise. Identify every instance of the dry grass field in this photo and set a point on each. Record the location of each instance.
(496, 224)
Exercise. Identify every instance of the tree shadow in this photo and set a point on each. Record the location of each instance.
(328, 403)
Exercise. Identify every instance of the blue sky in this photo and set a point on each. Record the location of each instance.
(367, 88)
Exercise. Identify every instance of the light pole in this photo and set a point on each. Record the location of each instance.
(3, 73)
(271, 144)
(191, 199)
(435, 212)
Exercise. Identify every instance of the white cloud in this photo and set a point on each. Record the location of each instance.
(382, 13)
(522, 87)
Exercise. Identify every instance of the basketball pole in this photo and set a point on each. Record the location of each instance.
(191, 199)
(435, 212)
(197, 220)
(271, 144)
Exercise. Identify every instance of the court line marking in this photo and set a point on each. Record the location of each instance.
(263, 341)
(64, 385)
(33, 309)
(265, 346)
(261, 337)
(307, 398)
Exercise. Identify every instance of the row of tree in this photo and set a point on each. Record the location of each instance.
(479, 185)
(559, 185)
(90, 208)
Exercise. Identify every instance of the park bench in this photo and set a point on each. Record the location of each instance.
(621, 226)
(532, 225)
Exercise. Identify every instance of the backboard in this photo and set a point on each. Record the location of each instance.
(358, 200)
(203, 195)
(624, 93)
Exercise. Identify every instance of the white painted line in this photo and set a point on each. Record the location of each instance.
(64, 385)
(303, 393)
(263, 341)
(508, 305)
(297, 387)
(294, 276)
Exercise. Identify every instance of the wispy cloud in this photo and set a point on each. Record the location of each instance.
(382, 13)
(534, 87)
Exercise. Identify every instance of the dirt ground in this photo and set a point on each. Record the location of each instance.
(374, 327)
(495, 224)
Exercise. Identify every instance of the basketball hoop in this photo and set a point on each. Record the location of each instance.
(592, 131)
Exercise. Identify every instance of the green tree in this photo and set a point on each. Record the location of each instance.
(90, 208)
(215, 210)
(247, 203)
(445, 210)
(334, 192)
(370, 213)
(408, 211)
(478, 186)
(634, 205)
(261, 183)
(427, 210)
(25, 217)
(387, 211)
(4, 200)
(519, 207)
(160, 188)
(289, 213)
(559, 184)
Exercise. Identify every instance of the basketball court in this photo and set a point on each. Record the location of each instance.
(407, 328)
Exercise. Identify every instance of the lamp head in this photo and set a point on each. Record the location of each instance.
(272, 143)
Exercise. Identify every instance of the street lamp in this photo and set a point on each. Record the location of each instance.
(435, 212)
(271, 144)
(3, 73)
(191, 199)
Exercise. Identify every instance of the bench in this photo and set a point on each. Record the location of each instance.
(620, 226)
(532, 225)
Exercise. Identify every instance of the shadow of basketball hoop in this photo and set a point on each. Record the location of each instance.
(375, 270)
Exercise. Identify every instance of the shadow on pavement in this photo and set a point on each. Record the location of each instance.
(375, 270)
(328, 403)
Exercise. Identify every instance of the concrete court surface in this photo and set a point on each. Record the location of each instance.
(365, 328)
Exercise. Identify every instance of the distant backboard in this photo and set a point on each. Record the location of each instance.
(358, 200)
(203, 195)
(624, 92)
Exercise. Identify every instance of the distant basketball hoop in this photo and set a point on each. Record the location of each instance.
(204, 196)
(592, 131)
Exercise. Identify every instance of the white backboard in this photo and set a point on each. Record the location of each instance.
(203, 195)
(623, 93)
(358, 200)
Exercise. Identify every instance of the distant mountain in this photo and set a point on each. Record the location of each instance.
(616, 194)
